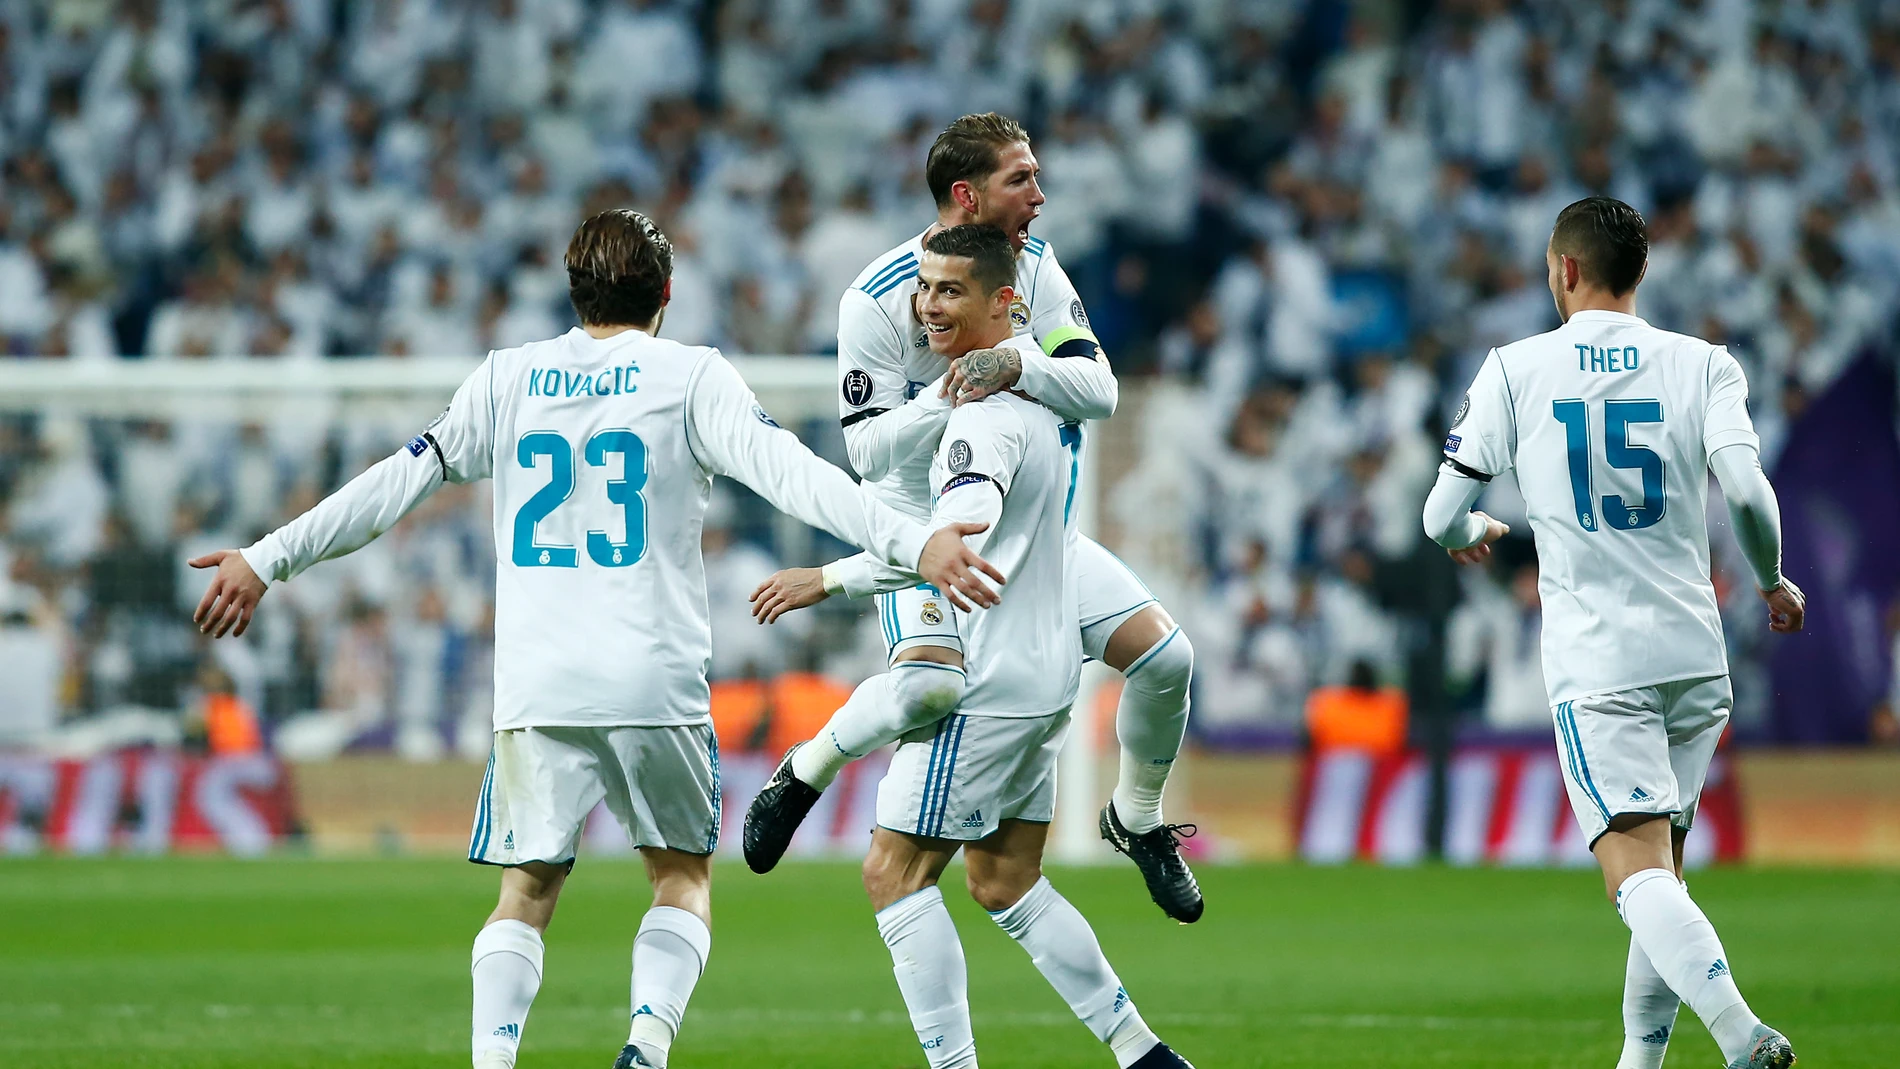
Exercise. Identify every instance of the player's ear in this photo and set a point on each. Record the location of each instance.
(964, 193)
(1573, 273)
(666, 293)
(1000, 301)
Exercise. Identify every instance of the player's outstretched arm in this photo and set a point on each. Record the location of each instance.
(1756, 513)
(734, 437)
(457, 447)
(1450, 521)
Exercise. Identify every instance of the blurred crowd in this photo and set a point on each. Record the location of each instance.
(1297, 226)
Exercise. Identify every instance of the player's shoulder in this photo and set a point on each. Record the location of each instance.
(888, 273)
(1037, 250)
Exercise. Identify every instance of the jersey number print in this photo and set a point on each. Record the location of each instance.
(1617, 416)
(624, 491)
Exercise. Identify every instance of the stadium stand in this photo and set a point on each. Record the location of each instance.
(1297, 227)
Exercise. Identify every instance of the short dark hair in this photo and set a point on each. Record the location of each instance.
(1608, 239)
(993, 257)
(967, 150)
(618, 264)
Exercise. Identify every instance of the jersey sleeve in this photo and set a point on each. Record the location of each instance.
(1069, 373)
(982, 441)
(732, 436)
(883, 428)
(457, 447)
(1726, 422)
(1482, 442)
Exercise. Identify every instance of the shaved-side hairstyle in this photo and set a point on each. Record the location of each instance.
(1608, 239)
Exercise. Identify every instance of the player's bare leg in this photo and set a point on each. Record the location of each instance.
(925, 684)
(1641, 875)
(669, 953)
(1157, 663)
(1005, 877)
(505, 967)
(900, 876)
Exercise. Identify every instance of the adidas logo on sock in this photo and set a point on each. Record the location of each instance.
(1639, 795)
(648, 1010)
(974, 820)
(1657, 1038)
(512, 1031)
(1720, 968)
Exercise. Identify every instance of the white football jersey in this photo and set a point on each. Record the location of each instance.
(603, 453)
(884, 358)
(1024, 655)
(1609, 423)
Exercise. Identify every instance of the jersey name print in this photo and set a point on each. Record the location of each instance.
(1609, 424)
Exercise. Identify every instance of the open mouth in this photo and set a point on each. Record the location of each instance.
(937, 328)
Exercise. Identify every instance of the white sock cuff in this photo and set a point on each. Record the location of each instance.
(509, 937)
(1017, 918)
(1169, 662)
(684, 925)
(1636, 880)
(904, 910)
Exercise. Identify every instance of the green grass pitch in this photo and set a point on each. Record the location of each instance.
(294, 962)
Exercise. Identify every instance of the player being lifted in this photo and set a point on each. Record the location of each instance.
(602, 444)
(898, 393)
(1612, 427)
(983, 780)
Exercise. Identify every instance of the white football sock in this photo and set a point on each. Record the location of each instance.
(1649, 1013)
(669, 953)
(1683, 946)
(1150, 722)
(1063, 946)
(882, 710)
(506, 970)
(928, 960)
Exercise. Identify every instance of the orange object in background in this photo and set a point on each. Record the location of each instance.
(1358, 718)
(230, 726)
(772, 714)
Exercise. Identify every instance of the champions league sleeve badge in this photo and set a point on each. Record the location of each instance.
(959, 457)
(857, 387)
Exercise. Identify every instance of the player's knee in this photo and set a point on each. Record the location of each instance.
(926, 692)
(1166, 669)
(998, 890)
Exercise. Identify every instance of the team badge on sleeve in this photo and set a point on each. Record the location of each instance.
(959, 457)
(857, 388)
(1076, 313)
(1464, 409)
(764, 416)
(1019, 314)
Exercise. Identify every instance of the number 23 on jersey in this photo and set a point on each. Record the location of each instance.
(529, 552)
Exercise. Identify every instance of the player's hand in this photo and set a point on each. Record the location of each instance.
(788, 589)
(982, 372)
(232, 596)
(1473, 554)
(1787, 607)
(952, 567)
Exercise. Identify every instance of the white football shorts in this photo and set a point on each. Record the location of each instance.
(660, 783)
(1108, 591)
(1645, 750)
(962, 776)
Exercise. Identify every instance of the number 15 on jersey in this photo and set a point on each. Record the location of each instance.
(1617, 417)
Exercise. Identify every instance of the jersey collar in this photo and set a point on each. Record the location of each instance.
(1600, 315)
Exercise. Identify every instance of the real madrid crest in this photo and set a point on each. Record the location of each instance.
(932, 613)
(1019, 314)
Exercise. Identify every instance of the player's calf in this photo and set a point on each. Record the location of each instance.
(915, 693)
(505, 965)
